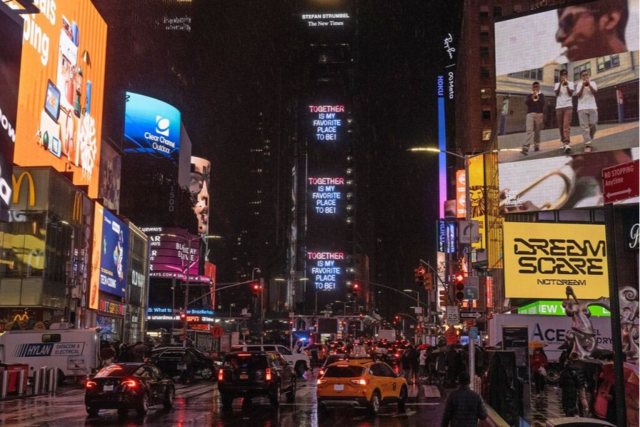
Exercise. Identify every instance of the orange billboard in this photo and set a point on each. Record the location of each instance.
(60, 101)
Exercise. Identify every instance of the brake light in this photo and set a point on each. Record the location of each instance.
(361, 381)
(321, 382)
(321, 372)
(91, 384)
(130, 383)
(396, 369)
(221, 375)
(267, 374)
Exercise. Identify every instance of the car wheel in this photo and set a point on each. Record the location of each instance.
(274, 397)
(402, 399)
(374, 404)
(207, 374)
(291, 394)
(143, 407)
(227, 400)
(169, 398)
(92, 412)
(300, 368)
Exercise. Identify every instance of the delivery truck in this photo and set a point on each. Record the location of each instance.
(73, 352)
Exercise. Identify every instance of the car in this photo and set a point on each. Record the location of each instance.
(299, 361)
(174, 360)
(330, 360)
(361, 383)
(256, 373)
(125, 386)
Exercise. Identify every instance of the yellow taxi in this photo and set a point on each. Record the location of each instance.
(361, 383)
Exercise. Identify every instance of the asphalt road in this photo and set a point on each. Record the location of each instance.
(199, 405)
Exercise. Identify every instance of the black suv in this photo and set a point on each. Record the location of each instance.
(253, 373)
(174, 361)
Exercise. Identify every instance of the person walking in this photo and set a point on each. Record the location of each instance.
(587, 108)
(539, 364)
(535, 113)
(405, 360)
(569, 383)
(564, 109)
(464, 407)
(423, 364)
(414, 358)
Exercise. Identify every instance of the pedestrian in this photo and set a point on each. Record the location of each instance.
(564, 109)
(423, 363)
(605, 406)
(583, 403)
(569, 383)
(539, 364)
(587, 108)
(107, 353)
(414, 358)
(464, 407)
(535, 113)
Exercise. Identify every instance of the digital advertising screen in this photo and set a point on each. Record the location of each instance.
(113, 259)
(559, 255)
(174, 253)
(10, 57)
(61, 95)
(151, 127)
(199, 182)
(566, 88)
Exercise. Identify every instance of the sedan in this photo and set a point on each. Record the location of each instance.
(125, 386)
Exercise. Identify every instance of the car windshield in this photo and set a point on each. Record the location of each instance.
(335, 358)
(116, 371)
(249, 362)
(344, 371)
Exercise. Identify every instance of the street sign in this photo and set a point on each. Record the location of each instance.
(470, 315)
(620, 182)
(418, 310)
(453, 315)
(469, 231)
(473, 333)
(217, 331)
(471, 285)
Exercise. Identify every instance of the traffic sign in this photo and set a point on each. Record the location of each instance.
(453, 315)
(471, 288)
(620, 182)
(469, 231)
(473, 333)
(470, 315)
(217, 331)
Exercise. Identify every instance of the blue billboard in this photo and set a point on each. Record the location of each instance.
(151, 127)
(113, 255)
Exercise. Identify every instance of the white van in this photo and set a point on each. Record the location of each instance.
(299, 361)
(74, 352)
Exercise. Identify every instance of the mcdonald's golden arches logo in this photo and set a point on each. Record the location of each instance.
(17, 186)
(77, 207)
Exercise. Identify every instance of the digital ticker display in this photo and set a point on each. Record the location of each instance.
(566, 91)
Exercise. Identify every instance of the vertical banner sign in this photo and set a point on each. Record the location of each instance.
(98, 218)
(461, 194)
(477, 197)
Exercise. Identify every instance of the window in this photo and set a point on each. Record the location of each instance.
(534, 74)
(497, 11)
(387, 371)
(484, 52)
(51, 338)
(269, 348)
(484, 11)
(485, 93)
(284, 350)
(607, 62)
(581, 68)
(484, 73)
(484, 32)
(486, 113)
(345, 371)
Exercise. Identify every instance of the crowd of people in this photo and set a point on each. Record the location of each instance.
(116, 351)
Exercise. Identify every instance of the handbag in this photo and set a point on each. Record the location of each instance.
(542, 371)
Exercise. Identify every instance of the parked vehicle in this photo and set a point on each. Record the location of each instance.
(73, 352)
(256, 373)
(185, 362)
(125, 386)
(299, 361)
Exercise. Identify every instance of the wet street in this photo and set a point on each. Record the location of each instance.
(199, 405)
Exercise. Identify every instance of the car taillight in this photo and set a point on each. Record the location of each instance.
(321, 382)
(130, 383)
(361, 381)
(221, 375)
(91, 384)
(396, 369)
(267, 374)
(321, 372)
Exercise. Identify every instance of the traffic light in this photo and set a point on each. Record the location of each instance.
(255, 288)
(443, 298)
(428, 282)
(420, 274)
(355, 290)
(459, 287)
(183, 316)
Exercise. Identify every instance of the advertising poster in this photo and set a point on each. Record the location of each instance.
(477, 201)
(567, 85)
(152, 128)
(10, 57)
(61, 94)
(542, 259)
(113, 257)
(110, 173)
(199, 189)
(96, 249)
(174, 254)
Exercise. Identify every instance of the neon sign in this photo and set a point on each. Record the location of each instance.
(325, 270)
(326, 195)
(326, 123)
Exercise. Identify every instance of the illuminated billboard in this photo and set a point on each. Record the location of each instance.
(110, 257)
(566, 85)
(541, 260)
(151, 127)
(61, 94)
(10, 57)
(199, 182)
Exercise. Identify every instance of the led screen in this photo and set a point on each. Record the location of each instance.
(174, 253)
(113, 254)
(151, 127)
(566, 88)
(61, 94)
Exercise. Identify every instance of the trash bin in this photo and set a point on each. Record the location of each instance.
(14, 377)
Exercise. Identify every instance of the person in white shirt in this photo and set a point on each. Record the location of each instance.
(564, 109)
(587, 108)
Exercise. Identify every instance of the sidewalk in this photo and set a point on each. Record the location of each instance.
(546, 406)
